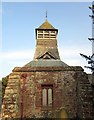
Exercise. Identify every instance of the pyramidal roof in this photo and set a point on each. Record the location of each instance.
(46, 56)
(46, 63)
(46, 25)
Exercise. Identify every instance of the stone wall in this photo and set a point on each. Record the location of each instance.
(9, 106)
(85, 96)
(71, 91)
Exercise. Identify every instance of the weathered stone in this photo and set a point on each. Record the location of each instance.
(71, 95)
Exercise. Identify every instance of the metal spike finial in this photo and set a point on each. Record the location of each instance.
(46, 14)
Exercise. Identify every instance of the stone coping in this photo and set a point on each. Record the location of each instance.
(48, 69)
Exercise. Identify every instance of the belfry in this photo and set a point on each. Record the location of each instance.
(46, 52)
(46, 46)
(46, 87)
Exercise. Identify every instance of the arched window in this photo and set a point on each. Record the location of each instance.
(47, 95)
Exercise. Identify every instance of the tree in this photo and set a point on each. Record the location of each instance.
(4, 85)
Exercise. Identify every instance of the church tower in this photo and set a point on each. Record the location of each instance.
(46, 51)
(46, 42)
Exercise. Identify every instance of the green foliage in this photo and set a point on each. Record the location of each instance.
(0, 89)
(4, 81)
(4, 85)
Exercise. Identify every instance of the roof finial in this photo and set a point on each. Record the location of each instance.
(46, 14)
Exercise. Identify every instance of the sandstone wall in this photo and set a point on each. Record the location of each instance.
(71, 91)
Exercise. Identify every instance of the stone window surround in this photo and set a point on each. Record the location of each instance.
(48, 94)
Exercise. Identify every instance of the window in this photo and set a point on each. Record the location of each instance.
(47, 95)
(40, 31)
(46, 31)
(40, 35)
(52, 36)
(46, 35)
(52, 31)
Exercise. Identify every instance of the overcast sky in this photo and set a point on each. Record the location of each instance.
(19, 20)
